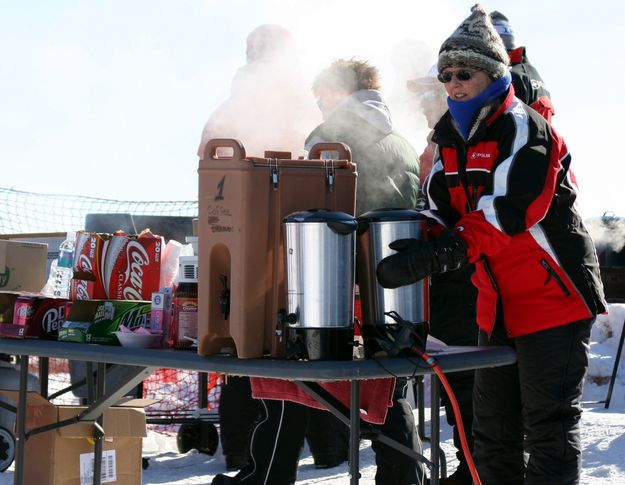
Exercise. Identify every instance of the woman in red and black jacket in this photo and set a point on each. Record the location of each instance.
(502, 197)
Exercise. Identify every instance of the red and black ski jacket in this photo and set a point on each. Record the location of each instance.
(507, 190)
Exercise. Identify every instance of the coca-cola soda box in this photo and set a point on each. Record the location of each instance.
(116, 267)
(96, 321)
(87, 282)
(33, 316)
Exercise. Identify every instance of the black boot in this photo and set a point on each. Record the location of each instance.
(462, 476)
(224, 480)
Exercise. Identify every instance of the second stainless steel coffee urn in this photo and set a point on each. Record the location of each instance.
(376, 230)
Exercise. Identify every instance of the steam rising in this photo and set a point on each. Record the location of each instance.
(608, 232)
(271, 105)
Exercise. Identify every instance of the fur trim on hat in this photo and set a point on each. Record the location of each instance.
(475, 43)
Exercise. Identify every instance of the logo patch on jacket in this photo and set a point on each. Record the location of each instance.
(482, 156)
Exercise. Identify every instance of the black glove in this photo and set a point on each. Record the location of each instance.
(416, 259)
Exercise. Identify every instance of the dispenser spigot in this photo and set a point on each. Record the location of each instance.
(224, 298)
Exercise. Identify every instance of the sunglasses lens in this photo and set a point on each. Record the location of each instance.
(445, 77)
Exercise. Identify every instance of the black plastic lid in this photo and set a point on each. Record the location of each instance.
(382, 215)
(319, 215)
(339, 222)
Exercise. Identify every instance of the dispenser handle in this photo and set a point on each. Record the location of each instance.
(210, 151)
(343, 150)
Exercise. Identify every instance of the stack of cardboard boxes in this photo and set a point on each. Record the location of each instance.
(65, 455)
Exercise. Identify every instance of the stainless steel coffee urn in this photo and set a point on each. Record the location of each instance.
(320, 263)
(376, 230)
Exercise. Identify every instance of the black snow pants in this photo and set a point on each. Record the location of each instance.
(238, 414)
(278, 439)
(533, 406)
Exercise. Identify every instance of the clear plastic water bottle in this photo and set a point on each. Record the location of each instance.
(63, 279)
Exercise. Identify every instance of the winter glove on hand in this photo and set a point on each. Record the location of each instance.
(416, 259)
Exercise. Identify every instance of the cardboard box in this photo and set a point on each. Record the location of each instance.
(22, 266)
(64, 456)
(103, 318)
(116, 266)
(74, 332)
(52, 239)
(43, 321)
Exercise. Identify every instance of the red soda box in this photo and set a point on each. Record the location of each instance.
(83, 290)
(132, 266)
(87, 283)
(36, 317)
(48, 318)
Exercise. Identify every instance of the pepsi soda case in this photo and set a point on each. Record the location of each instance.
(35, 317)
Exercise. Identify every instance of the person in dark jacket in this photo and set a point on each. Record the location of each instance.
(529, 87)
(355, 113)
(501, 197)
(348, 95)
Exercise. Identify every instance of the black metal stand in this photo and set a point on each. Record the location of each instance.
(615, 368)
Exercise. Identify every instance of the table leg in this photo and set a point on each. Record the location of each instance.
(97, 449)
(44, 368)
(20, 423)
(202, 392)
(420, 402)
(435, 430)
(90, 386)
(354, 433)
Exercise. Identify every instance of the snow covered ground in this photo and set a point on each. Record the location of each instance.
(603, 432)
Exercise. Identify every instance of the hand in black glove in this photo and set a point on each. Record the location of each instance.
(416, 259)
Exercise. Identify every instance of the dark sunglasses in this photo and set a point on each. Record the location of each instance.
(463, 75)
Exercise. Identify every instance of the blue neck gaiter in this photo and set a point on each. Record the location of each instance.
(464, 112)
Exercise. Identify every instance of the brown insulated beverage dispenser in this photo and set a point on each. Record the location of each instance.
(242, 202)
(320, 262)
(376, 230)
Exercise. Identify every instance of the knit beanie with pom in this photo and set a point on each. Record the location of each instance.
(475, 43)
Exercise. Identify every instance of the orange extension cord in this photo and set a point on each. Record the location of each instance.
(463, 438)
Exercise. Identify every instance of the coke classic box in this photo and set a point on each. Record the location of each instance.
(116, 267)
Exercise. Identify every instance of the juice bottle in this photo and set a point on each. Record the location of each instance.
(183, 331)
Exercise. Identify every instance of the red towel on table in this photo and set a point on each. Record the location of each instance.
(376, 395)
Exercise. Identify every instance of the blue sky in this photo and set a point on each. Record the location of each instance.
(109, 98)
